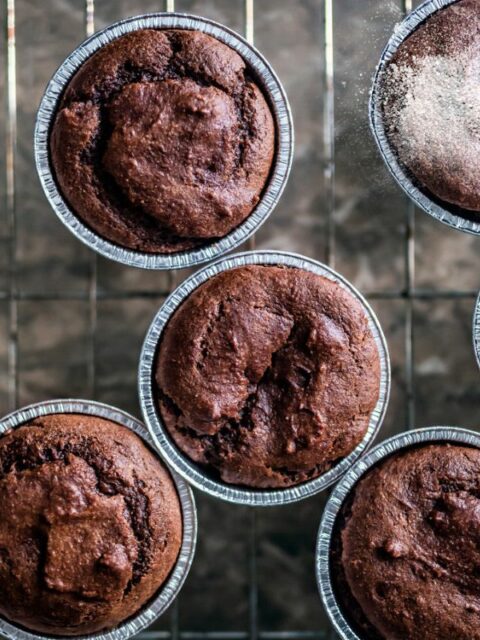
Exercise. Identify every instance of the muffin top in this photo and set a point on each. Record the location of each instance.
(162, 141)
(431, 104)
(410, 547)
(267, 375)
(90, 524)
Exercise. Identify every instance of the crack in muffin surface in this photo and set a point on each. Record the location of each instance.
(267, 376)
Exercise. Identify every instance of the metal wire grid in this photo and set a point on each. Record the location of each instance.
(13, 296)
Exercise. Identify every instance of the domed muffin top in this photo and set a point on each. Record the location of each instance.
(268, 375)
(410, 552)
(90, 524)
(163, 141)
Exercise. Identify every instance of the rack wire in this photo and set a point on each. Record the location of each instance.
(12, 295)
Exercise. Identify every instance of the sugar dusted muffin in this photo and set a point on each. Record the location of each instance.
(431, 104)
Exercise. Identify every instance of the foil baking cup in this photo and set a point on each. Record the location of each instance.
(279, 105)
(192, 472)
(170, 589)
(441, 212)
(476, 330)
(342, 490)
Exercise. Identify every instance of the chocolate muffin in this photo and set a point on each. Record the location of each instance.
(90, 524)
(406, 557)
(431, 104)
(163, 141)
(267, 375)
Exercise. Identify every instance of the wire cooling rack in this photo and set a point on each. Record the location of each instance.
(72, 323)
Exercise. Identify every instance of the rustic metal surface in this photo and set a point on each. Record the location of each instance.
(72, 324)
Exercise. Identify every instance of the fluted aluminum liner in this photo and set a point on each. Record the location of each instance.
(476, 330)
(193, 472)
(272, 87)
(401, 32)
(168, 592)
(341, 491)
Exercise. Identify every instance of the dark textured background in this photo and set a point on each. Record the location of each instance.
(369, 214)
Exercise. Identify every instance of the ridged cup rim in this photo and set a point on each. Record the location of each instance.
(401, 32)
(280, 167)
(452, 435)
(476, 330)
(171, 587)
(179, 461)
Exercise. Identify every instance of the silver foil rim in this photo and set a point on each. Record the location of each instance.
(401, 32)
(281, 166)
(341, 491)
(182, 464)
(476, 330)
(168, 592)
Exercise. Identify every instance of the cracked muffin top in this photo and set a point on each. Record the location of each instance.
(162, 141)
(431, 104)
(406, 558)
(90, 524)
(267, 375)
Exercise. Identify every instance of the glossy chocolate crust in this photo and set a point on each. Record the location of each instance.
(90, 524)
(162, 141)
(442, 146)
(406, 552)
(268, 375)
